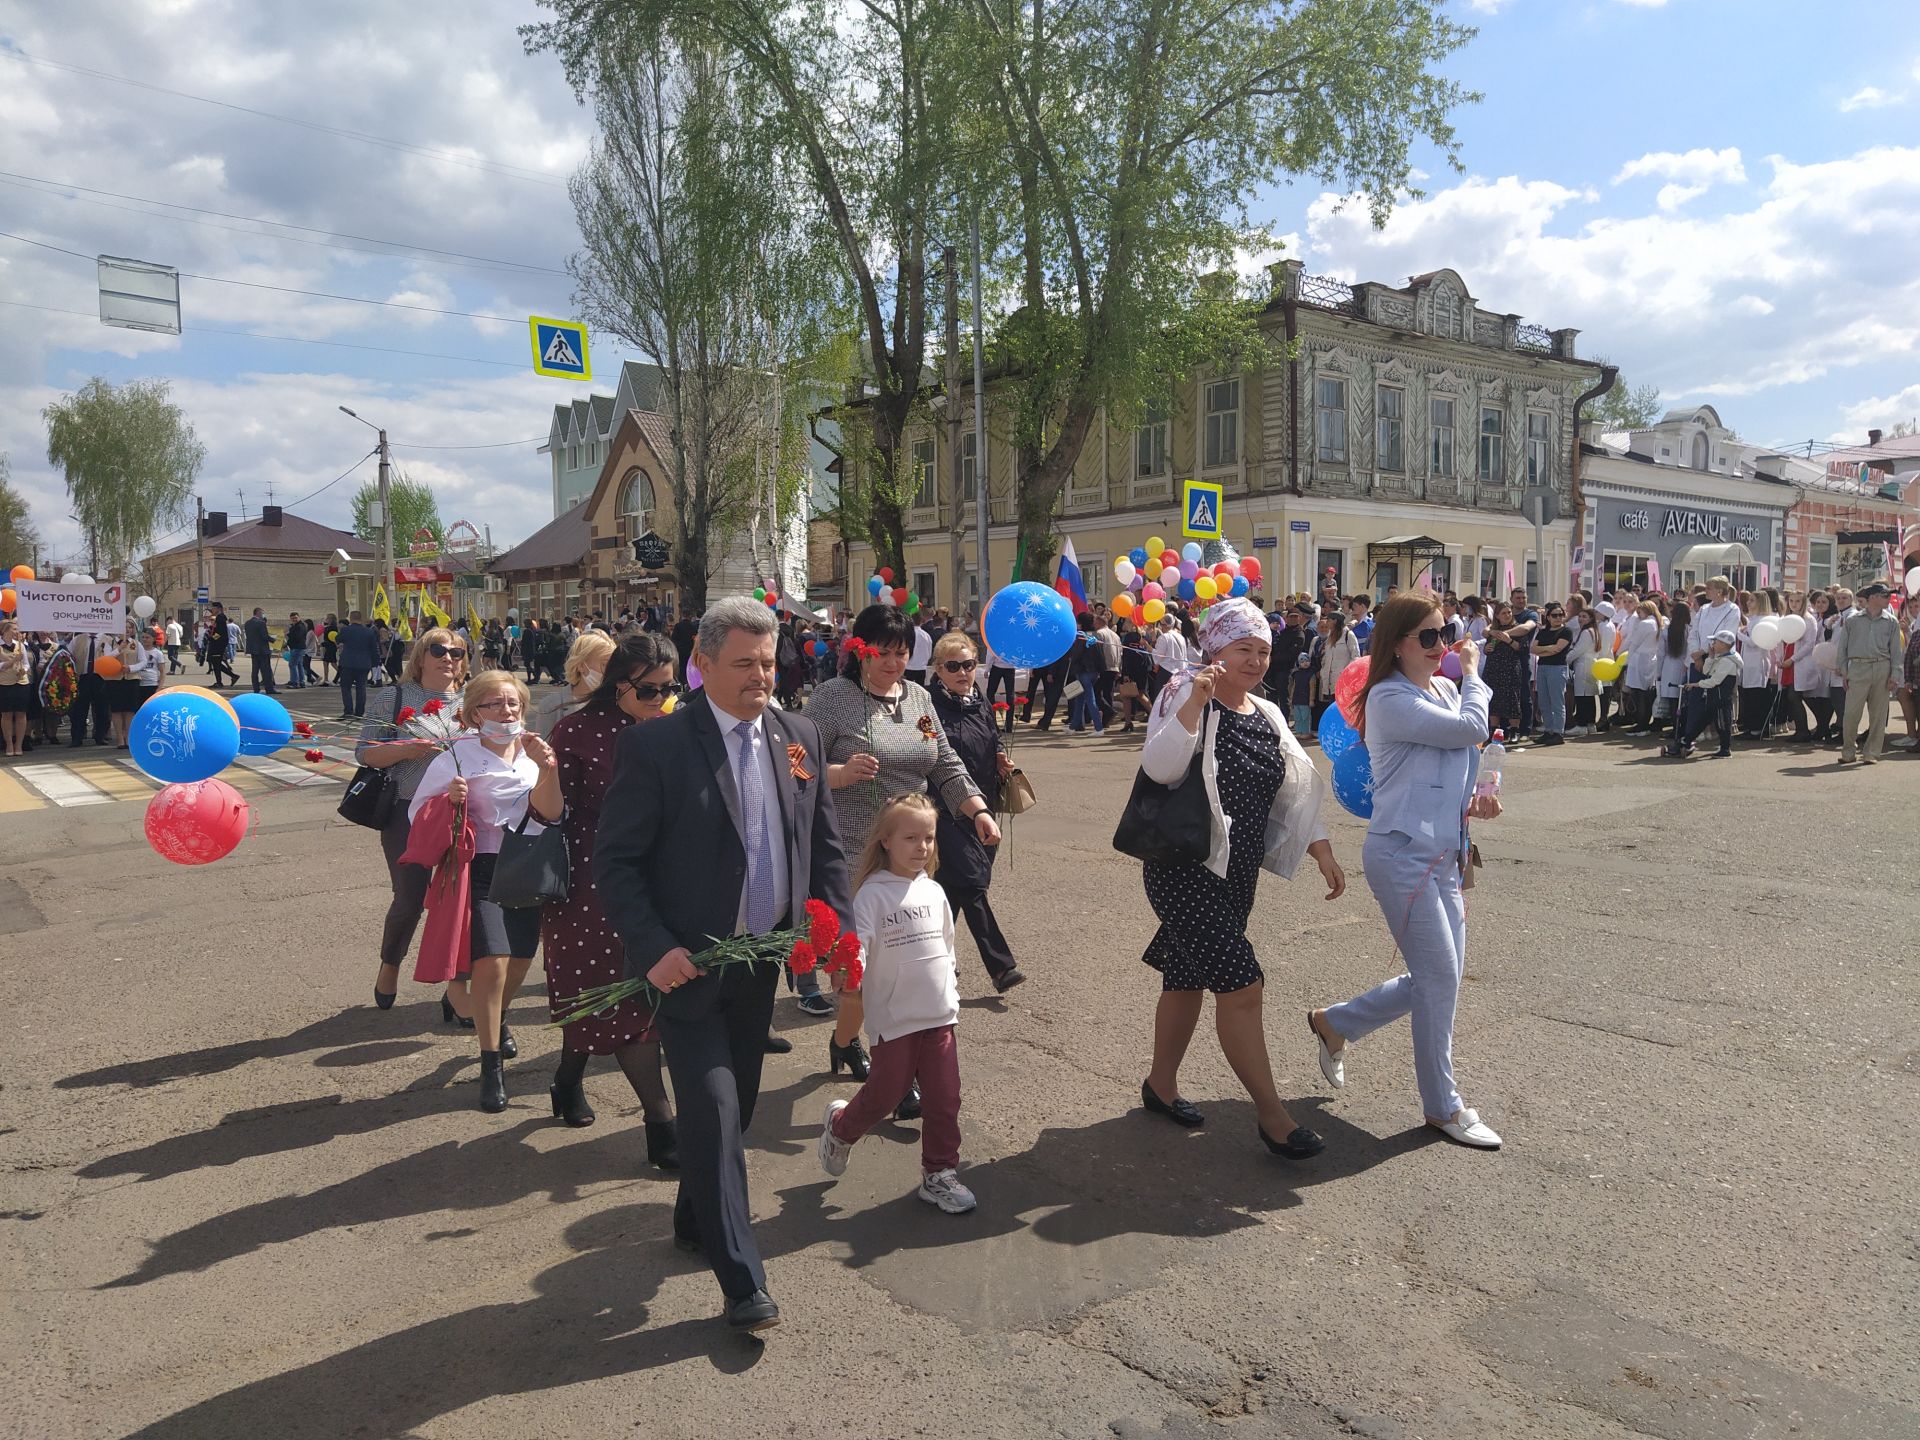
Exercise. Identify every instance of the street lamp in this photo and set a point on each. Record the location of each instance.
(386, 510)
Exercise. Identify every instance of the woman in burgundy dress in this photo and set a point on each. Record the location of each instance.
(580, 947)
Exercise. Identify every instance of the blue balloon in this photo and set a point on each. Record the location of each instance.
(819, 648)
(1029, 624)
(179, 738)
(1191, 551)
(1336, 735)
(1138, 555)
(1240, 586)
(874, 582)
(265, 725)
(1353, 779)
(1187, 592)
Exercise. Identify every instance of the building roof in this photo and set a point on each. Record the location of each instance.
(559, 542)
(602, 412)
(293, 536)
(1903, 447)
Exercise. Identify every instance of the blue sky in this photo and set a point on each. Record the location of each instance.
(1723, 195)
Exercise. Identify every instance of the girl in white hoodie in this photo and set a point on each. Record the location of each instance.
(912, 996)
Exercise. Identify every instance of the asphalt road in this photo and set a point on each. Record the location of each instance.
(238, 1201)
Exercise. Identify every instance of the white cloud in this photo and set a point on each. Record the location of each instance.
(1869, 97)
(1642, 4)
(1695, 167)
(1486, 7)
(1877, 413)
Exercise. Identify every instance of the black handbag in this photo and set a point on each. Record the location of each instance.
(532, 869)
(1172, 824)
(372, 796)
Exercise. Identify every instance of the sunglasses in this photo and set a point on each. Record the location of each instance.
(645, 693)
(1555, 614)
(446, 652)
(1429, 638)
(958, 667)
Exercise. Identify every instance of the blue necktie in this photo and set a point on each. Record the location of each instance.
(753, 821)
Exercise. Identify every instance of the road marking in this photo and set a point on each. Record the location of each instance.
(283, 772)
(15, 797)
(114, 778)
(60, 786)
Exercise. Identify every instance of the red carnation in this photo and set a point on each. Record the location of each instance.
(846, 957)
(434, 707)
(407, 712)
(303, 729)
(803, 959)
(854, 972)
(823, 925)
(1001, 705)
(316, 755)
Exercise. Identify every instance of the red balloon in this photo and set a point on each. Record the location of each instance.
(1170, 557)
(886, 573)
(1346, 689)
(1223, 571)
(1250, 570)
(196, 823)
(900, 595)
(773, 600)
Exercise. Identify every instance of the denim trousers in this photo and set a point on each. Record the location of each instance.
(1553, 699)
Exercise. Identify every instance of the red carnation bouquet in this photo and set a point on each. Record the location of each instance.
(827, 947)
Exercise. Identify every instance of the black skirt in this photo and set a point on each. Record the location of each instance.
(123, 696)
(14, 698)
(494, 930)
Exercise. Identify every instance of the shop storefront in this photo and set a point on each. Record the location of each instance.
(1644, 530)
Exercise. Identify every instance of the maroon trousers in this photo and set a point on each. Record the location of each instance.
(931, 1057)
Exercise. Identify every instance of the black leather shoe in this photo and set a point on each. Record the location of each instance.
(663, 1144)
(450, 1016)
(1007, 979)
(686, 1243)
(382, 999)
(753, 1312)
(509, 1047)
(493, 1085)
(570, 1104)
(853, 1055)
(909, 1108)
(1300, 1144)
(778, 1044)
(1179, 1111)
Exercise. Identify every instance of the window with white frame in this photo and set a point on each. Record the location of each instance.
(1150, 445)
(1440, 456)
(1539, 447)
(1389, 426)
(1819, 564)
(969, 468)
(1439, 573)
(1330, 418)
(1492, 574)
(636, 504)
(1094, 576)
(548, 591)
(522, 599)
(923, 488)
(573, 457)
(1493, 457)
(1618, 568)
(926, 586)
(1223, 424)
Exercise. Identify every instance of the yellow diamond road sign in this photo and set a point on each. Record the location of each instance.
(559, 348)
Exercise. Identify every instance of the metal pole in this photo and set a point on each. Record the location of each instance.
(1539, 549)
(386, 515)
(199, 550)
(979, 425)
(956, 532)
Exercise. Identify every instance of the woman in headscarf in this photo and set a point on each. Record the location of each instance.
(1265, 803)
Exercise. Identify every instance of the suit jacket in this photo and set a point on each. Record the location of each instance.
(668, 860)
(259, 641)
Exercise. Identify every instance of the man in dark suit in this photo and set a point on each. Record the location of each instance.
(718, 822)
(260, 651)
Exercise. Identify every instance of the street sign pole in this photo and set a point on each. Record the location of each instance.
(386, 515)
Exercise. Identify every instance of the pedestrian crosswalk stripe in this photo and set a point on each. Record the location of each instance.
(283, 772)
(14, 796)
(102, 779)
(121, 781)
(60, 785)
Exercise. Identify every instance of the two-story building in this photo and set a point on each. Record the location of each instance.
(1385, 436)
(279, 561)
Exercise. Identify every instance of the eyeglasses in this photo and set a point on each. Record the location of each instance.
(655, 692)
(501, 702)
(1429, 638)
(446, 652)
(959, 667)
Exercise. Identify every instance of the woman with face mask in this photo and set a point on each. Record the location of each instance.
(501, 774)
(586, 663)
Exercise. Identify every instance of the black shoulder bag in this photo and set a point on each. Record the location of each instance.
(372, 795)
(532, 869)
(1172, 824)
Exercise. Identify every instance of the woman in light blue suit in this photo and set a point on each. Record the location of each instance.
(1424, 738)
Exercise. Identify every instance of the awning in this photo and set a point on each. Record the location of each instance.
(1713, 559)
(415, 575)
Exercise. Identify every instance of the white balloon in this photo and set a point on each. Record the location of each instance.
(1792, 627)
(1123, 571)
(74, 577)
(1913, 581)
(1766, 633)
(144, 607)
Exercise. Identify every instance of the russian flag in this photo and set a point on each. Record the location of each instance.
(1069, 582)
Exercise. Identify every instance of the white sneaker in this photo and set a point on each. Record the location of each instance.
(1467, 1128)
(1580, 730)
(1333, 1063)
(833, 1151)
(943, 1188)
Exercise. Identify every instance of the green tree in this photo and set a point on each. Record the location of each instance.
(19, 541)
(1139, 131)
(130, 458)
(1626, 407)
(414, 510)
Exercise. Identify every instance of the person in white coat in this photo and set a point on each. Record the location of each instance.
(1640, 642)
(1813, 682)
(1264, 800)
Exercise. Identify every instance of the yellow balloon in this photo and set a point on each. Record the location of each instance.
(213, 695)
(667, 705)
(1151, 569)
(1152, 611)
(1123, 605)
(1203, 587)
(1155, 545)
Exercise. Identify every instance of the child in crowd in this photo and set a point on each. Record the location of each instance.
(1719, 675)
(912, 1001)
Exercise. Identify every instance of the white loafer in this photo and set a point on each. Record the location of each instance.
(1470, 1130)
(1333, 1063)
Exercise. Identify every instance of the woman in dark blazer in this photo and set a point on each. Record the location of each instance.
(966, 865)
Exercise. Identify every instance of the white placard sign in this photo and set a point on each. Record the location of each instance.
(72, 609)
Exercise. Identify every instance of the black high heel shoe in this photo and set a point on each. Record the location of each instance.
(909, 1108)
(570, 1104)
(663, 1144)
(852, 1054)
(493, 1084)
(450, 1016)
(509, 1047)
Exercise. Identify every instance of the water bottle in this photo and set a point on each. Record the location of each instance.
(1493, 760)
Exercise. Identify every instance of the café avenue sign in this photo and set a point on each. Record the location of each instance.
(1691, 523)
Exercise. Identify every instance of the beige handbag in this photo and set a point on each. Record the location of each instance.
(1016, 794)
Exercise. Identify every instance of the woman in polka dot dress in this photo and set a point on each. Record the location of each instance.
(1265, 800)
(580, 945)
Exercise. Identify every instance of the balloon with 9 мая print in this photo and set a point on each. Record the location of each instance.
(1336, 736)
(178, 737)
(1353, 781)
(1029, 624)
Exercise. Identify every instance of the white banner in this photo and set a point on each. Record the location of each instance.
(72, 609)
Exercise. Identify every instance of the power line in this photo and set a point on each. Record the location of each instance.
(517, 172)
(496, 445)
(451, 257)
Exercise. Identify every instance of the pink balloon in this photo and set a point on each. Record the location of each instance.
(198, 822)
(1152, 591)
(1137, 581)
(693, 676)
(1346, 689)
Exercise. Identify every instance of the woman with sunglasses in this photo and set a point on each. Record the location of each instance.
(966, 865)
(586, 662)
(1423, 736)
(433, 672)
(578, 943)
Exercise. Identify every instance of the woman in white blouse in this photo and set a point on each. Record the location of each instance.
(500, 774)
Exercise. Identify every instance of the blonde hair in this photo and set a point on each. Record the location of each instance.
(591, 647)
(874, 858)
(952, 643)
(417, 656)
(485, 684)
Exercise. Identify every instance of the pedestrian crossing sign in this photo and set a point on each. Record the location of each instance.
(1200, 510)
(559, 348)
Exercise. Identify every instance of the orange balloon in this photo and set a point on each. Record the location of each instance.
(107, 667)
(213, 695)
(9, 599)
(21, 572)
(1123, 605)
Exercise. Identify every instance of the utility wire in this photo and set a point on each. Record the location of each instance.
(428, 253)
(516, 172)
